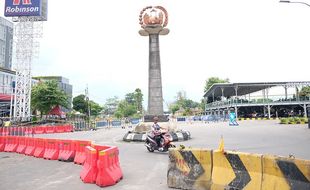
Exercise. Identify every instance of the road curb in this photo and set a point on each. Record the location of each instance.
(140, 137)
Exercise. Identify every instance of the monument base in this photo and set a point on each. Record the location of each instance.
(161, 118)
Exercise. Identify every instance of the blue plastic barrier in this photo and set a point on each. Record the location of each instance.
(101, 124)
(181, 119)
(135, 121)
(116, 123)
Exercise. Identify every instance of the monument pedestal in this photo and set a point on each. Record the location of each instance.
(161, 118)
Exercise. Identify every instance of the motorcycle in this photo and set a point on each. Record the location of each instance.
(163, 137)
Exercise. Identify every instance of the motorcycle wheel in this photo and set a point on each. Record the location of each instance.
(150, 148)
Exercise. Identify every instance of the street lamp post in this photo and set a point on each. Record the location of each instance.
(295, 2)
(308, 107)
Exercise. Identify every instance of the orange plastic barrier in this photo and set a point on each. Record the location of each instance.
(50, 129)
(59, 129)
(11, 144)
(2, 143)
(40, 148)
(109, 171)
(31, 145)
(39, 130)
(22, 144)
(80, 151)
(66, 150)
(51, 149)
(89, 171)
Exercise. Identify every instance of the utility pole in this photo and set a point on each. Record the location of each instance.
(88, 105)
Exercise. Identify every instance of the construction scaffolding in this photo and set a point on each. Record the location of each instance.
(27, 32)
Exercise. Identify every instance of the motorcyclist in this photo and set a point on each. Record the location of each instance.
(156, 132)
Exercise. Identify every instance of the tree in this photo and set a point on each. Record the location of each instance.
(174, 108)
(214, 80)
(124, 109)
(305, 91)
(46, 95)
(138, 97)
(95, 109)
(80, 104)
(111, 105)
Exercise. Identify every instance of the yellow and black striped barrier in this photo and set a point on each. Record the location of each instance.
(189, 169)
(257, 118)
(205, 169)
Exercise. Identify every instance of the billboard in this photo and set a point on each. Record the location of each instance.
(15, 8)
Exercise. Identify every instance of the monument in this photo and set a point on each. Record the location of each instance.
(153, 21)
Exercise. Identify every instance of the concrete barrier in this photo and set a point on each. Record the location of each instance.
(235, 170)
(189, 169)
(205, 169)
(285, 173)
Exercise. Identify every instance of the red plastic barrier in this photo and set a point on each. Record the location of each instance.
(68, 128)
(39, 129)
(50, 129)
(59, 129)
(89, 171)
(66, 150)
(11, 144)
(109, 171)
(40, 148)
(80, 151)
(4, 131)
(29, 130)
(100, 147)
(2, 143)
(51, 149)
(31, 145)
(22, 144)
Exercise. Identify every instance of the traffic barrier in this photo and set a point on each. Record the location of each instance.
(29, 130)
(181, 119)
(22, 144)
(11, 144)
(50, 129)
(39, 129)
(189, 168)
(39, 148)
(285, 173)
(109, 171)
(99, 147)
(4, 131)
(234, 170)
(68, 128)
(2, 143)
(51, 151)
(80, 155)
(116, 123)
(59, 129)
(66, 150)
(31, 145)
(89, 171)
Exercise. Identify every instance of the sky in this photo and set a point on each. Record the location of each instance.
(95, 43)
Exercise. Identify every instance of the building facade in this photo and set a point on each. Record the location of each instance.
(6, 43)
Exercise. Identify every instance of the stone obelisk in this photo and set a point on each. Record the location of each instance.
(153, 21)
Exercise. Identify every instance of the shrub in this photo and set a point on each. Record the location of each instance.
(291, 120)
(284, 121)
(297, 120)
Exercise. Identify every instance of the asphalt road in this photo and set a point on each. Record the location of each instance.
(144, 170)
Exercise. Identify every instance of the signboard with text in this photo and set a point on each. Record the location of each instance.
(15, 8)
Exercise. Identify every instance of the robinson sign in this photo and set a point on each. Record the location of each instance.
(15, 8)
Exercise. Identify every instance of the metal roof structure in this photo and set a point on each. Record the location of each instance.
(239, 89)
